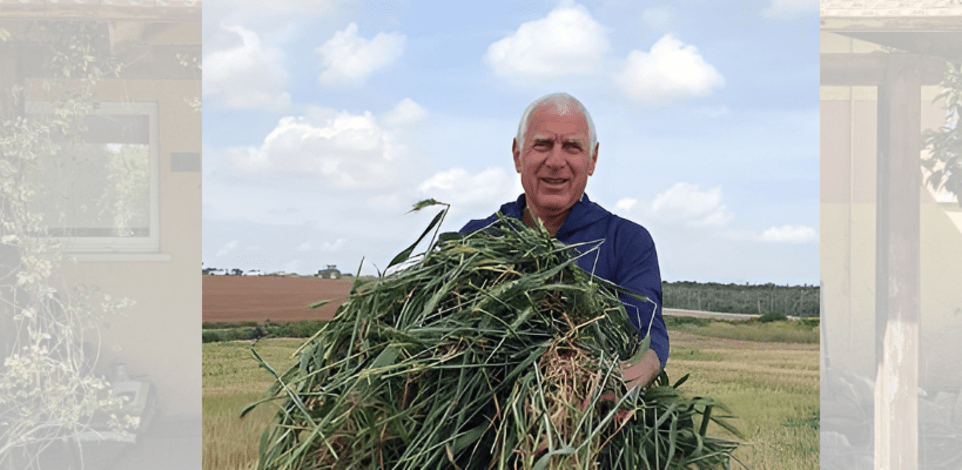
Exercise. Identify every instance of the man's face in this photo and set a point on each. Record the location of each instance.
(554, 160)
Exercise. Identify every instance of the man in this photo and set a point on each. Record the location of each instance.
(555, 152)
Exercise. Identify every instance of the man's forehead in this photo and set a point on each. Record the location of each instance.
(549, 120)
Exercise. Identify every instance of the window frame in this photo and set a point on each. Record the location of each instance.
(121, 245)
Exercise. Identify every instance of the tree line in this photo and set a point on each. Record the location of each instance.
(798, 301)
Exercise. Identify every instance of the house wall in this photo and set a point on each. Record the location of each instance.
(160, 336)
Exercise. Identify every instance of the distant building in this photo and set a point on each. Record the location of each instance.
(254, 272)
(331, 272)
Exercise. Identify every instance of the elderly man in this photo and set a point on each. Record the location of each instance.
(555, 151)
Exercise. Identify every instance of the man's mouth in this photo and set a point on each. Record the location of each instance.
(554, 180)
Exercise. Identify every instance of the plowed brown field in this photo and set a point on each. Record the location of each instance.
(259, 298)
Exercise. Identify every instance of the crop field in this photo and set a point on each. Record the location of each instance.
(259, 298)
(771, 385)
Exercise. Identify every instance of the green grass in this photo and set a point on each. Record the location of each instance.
(233, 380)
(772, 387)
(749, 330)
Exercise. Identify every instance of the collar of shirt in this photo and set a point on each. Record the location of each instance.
(582, 214)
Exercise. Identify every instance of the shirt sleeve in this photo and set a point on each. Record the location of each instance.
(638, 271)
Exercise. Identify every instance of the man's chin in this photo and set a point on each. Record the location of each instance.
(552, 206)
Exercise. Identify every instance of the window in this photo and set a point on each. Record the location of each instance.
(101, 194)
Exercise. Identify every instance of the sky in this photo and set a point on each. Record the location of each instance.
(326, 121)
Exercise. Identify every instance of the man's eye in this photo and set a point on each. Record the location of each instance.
(572, 148)
(542, 145)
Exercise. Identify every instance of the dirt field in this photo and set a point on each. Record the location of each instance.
(258, 298)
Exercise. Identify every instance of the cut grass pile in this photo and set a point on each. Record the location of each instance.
(772, 388)
(493, 351)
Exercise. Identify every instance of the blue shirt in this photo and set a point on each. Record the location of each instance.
(625, 257)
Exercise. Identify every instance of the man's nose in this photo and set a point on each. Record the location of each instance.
(556, 158)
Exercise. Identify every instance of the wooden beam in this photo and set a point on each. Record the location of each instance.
(97, 12)
(897, 288)
(870, 69)
(946, 45)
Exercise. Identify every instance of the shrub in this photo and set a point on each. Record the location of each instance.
(772, 316)
(300, 329)
(220, 325)
(673, 321)
(211, 337)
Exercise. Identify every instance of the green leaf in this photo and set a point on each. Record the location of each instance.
(681, 381)
(426, 203)
(404, 255)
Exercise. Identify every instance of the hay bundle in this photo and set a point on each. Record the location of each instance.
(493, 351)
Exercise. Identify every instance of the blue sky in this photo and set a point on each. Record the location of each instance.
(325, 121)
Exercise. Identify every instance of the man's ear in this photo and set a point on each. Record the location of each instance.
(593, 159)
(516, 153)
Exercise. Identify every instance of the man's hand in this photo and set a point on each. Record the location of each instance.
(644, 372)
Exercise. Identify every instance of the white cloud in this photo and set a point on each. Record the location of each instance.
(247, 75)
(339, 149)
(464, 191)
(669, 72)
(686, 203)
(406, 112)
(306, 246)
(790, 234)
(625, 204)
(567, 42)
(227, 248)
(789, 9)
(349, 59)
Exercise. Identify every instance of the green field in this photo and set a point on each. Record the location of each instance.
(771, 386)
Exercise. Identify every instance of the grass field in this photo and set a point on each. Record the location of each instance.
(771, 386)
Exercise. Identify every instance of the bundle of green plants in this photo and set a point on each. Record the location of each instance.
(491, 351)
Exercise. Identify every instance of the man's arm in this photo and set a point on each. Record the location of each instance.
(638, 271)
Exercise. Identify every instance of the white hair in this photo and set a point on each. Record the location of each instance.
(563, 104)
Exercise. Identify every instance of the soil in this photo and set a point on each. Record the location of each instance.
(259, 298)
